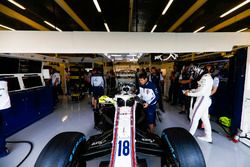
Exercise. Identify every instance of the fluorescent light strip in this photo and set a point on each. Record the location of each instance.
(154, 28)
(167, 6)
(97, 6)
(51, 25)
(242, 30)
(235, 8)
(3, 26)
(17, 4)
(107, 27)
(58, 29)
(199, 29)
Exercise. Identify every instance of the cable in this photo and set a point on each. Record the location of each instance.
(27, 142)
(244, 137)
(223, 127)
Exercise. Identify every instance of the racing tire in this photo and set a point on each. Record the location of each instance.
(63, 150)
(181, 149)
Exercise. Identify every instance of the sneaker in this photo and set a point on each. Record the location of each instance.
(162, 110)
(96, 110)
(4, 153)
(98, 128)
(206, 139)
(182, 112)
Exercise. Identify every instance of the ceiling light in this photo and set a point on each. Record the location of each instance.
(3, 26)
(243, 29)
(58, 29)
(154, 28)
(107, 27)
(97, 6)
(199, 29)
(51, 25)
(235, 8)
(17, 4)
(166, 8)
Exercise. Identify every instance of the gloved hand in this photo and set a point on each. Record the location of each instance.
(137, 98)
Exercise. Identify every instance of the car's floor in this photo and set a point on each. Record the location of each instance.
(78, 116)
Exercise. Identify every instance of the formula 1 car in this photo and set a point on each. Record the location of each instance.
(127, 136)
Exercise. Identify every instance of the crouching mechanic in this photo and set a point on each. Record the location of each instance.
(149, 93)
(201, 106)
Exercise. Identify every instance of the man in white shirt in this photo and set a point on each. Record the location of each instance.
(4, 104)
(55, 81)
(212, 108)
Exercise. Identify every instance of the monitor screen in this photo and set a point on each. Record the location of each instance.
(12, 81)
(8, 65)
(32, 81)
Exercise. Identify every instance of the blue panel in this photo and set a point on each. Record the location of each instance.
(239, 62)
(26, 107)
(12, 117)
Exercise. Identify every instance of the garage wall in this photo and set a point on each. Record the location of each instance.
(118, 42)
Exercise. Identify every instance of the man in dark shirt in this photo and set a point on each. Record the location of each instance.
(156, 78)
(185, 80)
(97, 83)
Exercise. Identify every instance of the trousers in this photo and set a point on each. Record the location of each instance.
(200, 111)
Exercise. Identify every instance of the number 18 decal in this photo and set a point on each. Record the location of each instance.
(123, 147)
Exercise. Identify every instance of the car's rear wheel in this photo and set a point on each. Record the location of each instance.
(181, 149)
(63, 150)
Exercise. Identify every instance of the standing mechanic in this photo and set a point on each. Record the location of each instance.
(97, 83)
(156, 78)
(149, 93)
(201, 106)
(4, 105)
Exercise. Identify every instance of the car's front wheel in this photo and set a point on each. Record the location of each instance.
(181, 149)
(63, 150)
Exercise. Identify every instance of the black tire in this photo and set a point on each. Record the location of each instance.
(142, 163)
(63, 150)
(181, 148)
(140, 115)
(104, 164)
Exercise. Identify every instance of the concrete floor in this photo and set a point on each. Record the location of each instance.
(78, 116)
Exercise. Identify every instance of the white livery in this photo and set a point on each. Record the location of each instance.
(123, 150)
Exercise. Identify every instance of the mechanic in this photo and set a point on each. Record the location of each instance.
(157, 79)
(174, 86)
(149, 93)
(216, 81)
(56, 84)
(97, 83)
(4, 105)
(203, 101)
(185, 80)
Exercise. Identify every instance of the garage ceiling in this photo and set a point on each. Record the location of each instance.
(125, 15)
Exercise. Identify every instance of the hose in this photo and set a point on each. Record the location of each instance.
(27, 142)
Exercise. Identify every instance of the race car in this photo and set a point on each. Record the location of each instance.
(123, 137)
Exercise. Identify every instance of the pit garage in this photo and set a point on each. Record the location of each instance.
(43, 126)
